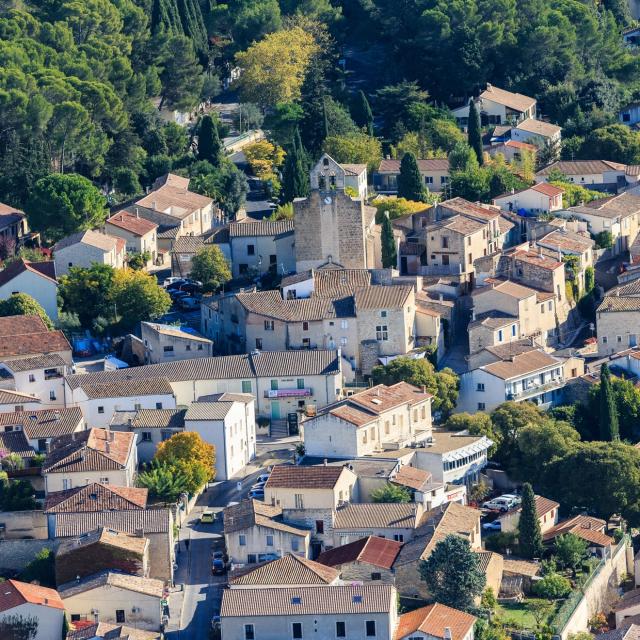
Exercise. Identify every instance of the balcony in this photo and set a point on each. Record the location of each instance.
(288, 393)
(536, 389)
(52, 374)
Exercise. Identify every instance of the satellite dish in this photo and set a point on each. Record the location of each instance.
(327, 200)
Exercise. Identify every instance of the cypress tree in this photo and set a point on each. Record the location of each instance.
(389, 256)
(313, 126)
(474, 132)
(295, 182)
(209, 145)
(529, 534)
(362, 113)
(609, 427)
(410, 181)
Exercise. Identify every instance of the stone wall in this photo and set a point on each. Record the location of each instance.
(369, 351)
(308, 518)
(362, 572)
(24, 525)
(15, 555)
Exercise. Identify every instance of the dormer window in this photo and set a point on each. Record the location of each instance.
(325, 162)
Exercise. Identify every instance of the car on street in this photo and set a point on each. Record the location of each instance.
(172, 281)
(259, 485)
(176, 284)
(500, 504)
(496, 525)
(207, 517)
(218, 566)
(188, 303)
(257, 494)
(512, 496)
(263, 477)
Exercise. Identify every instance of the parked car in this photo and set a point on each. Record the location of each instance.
(218, 566)
(257, 494)
(189, 287)
(188, 303)
(176, 295)
(512, 496)
(176, 284)
(500, 504)
(207, 517)
(172, 280)
(263, 477)
(496, 525)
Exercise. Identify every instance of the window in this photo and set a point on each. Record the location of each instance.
(295, 544)
(500, 335)
(269, 541)
(120, 615)
(274, 385)
(444, 241)
(103, 480)
(137, 406)
(305, 326)
(370, 626)
(188, 347)
(320, 526)
(299, 500)
(300, 383)
(383, 314)
(481, 406)
(66, 484)
(249, 633)
(343, 341)
(480, 386)
(246, 386)
(146, 436)
(542, 308)
(619, 339)
(376, 576)
(168, 349)
(513, 329)
(251, 250)
(428, 179)
(100, 409)
(444, 179)
(604, 340)
(32, 378)
(296, 630)
(550, 305)
(398, 537)
(269, 325)
(52, 395)
(42, 444)
(200, 346)
(242, 540)
(158, 405)
(251, 558)
(75, 617)
(341, 629)
(258, 343)
(344, 324)
(382, 332)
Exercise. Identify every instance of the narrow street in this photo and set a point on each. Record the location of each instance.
(193, 606)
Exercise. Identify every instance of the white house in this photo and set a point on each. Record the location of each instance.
(630, 114)
(534, 376)
(37, 279)
(540, 198)
(139, 234)
(537, 132)
(94, 455)
(16, 401)
(379, 418)
(27, 600)
(115, 597)
(355, 612)
(39, 376)
(596, 175)
(100, 401)
(85, 248)
(498, 106)
(229, 424)
(166, 343)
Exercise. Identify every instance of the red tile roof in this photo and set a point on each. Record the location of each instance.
(27, 335)
(378, 552)
(45, 269)
(548, 189)
(293, 477)
(585, 527)
(433, 620)
(133, 224)
(96, 497)
(14, 593)
(14, 325)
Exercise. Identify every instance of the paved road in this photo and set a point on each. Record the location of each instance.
(203, 591)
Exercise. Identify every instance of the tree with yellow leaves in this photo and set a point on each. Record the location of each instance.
(188, 448)
(272, 69)
(264, 160)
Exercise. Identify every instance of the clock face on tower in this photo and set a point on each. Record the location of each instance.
(327, 200)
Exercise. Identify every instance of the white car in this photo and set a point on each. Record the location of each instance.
(171, 280)
(499, 504)
(496, 525)
(262, 478)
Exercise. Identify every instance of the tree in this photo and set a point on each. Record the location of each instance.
(181, 76)
(540, 611)
(443, 385)
(462, 158)
(452, 573)
(226, 185)
(552, 587)
(17, 627)
(22, 304)
(88, 292)
(17, 495)
(314, 127)
(274, 68)
(474, 132)
(589, 279)
(529, 534)
(190, 448)
(164, 481)
(472, 184)
(137, 296)
(616, 142)
(356, 148)
(570, 551)
(62, 204)
(361, 112)
(137, 260)
(210, 267)
(295, 182)
(609, 428)
(389, 254)
(575, 194)
(508, 420)
(410, 183)
(41, 569)
(391, 493)
(209, 145)
(395, 207)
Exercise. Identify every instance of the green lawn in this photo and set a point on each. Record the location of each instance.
(518, 614)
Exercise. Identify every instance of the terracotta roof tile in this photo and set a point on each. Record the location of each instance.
(288, 570)
(433, 620)
(425, 166)
(16, 325)
(92, 238)
(147, 586)
(378, 552)
(586, 527)
(253, 512)
(45, 269)
(539, 127)
(383, 515)
(522, 364)
(96, 497)
(14, 593)
(45, 423)
(413, 478)
(296, 477)
(260, 228)
(130, 520)
(129, 222)
(105, 536)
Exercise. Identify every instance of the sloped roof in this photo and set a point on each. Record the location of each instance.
(249, 513)
(585, 527)
(379, 552)
(16, 398)
(44, 423)
(131, 223)
(16, 442)
(126, 542)
(96, 497)
(14, 593)
(171, 195)
(46, 361)
(413, 478)
(46, 270)
(129, 520)
(128, 388)
(15, 325)
(425, 166)
(288, 570)
(381, 515)
(581, 167)
(433, 620)
(517, 101)
(539, 127)
(92, 238)
(521, 364)
(108, 631)
(208, 410)
(287, 476)
(255, 228)
(137, 584)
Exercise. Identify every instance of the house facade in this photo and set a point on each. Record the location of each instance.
(166, 343)
(617, 319)
(138, 233)
(85, 248)
(540, 198)
(498, 106)
(434, 172)
(37, 279)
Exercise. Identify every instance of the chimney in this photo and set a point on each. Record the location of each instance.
(137, 213)
(107, 447)
(447, 633)
(424, 388)
(325, 462)
(440, 297)
(56, 415)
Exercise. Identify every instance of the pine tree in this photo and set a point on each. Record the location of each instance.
(209, 145)
(295, 182)
(313, 125)
(362, 113)
(609, 427)
(389, 255)
(529, 534)
(410, 181)
(474, 132)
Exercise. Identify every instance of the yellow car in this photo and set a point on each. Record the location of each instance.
(207, 517)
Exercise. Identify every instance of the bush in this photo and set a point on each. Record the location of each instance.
(41, 568)
(552, 587)
(502, 541)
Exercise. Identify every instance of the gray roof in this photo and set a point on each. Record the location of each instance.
(45, 361)
(128, 388)
(44, 423)
(208, 410)
(146, 586)
(129, 521)
(383, 515)
(295, 601)
(260, 228)
(243, 367)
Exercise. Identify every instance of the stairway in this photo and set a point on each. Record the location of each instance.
(279, 429)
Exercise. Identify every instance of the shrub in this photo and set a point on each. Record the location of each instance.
(552, 587)
(502, 541)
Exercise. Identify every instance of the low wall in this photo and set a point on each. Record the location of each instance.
(601, 591)
(24, 524)
(15, 555)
